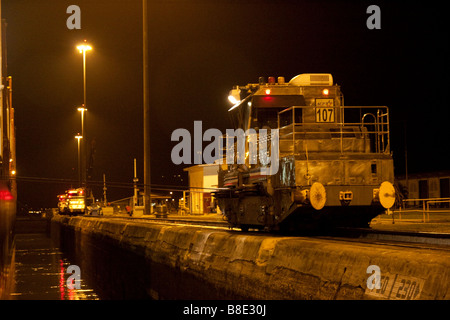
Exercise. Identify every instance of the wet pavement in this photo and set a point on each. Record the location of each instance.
(41, 272)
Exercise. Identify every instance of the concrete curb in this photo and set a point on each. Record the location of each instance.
(237, 265)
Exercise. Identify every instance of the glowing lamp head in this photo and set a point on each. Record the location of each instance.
(232, 99)
(235, 95)
(325, 92)
(268, 91)
(84, 47)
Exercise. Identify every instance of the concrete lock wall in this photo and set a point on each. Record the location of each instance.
(185, 262)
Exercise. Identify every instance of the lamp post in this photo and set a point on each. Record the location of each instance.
(83, 49)
(146, 116)
(83, 149)
(78, 137)
(82, 109)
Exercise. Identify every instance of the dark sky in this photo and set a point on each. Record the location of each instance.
(199, 49)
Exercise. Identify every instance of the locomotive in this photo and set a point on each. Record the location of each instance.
(72, 202)
(334, 164)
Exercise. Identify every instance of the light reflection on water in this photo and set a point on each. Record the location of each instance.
(41, 272)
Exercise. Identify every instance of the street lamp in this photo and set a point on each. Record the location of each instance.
(78, 137)
(82, 109)
(83, 49)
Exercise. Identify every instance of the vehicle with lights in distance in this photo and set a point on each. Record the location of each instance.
(73, 202)
(335, 167)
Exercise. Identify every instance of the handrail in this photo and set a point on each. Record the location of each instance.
(426, 205)
(289, 127)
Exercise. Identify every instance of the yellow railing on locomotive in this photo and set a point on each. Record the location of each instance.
(367, 125)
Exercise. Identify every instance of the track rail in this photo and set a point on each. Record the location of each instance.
(417, 239)
(398, 236)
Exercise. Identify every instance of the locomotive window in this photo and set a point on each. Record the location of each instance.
(287, 118)
(267, 108)
(267, 117)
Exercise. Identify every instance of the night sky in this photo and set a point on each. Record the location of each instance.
(199, 49)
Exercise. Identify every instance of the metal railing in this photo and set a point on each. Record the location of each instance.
(308, 123)
(425, 207)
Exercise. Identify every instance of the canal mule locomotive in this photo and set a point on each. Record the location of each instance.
(334, 168)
